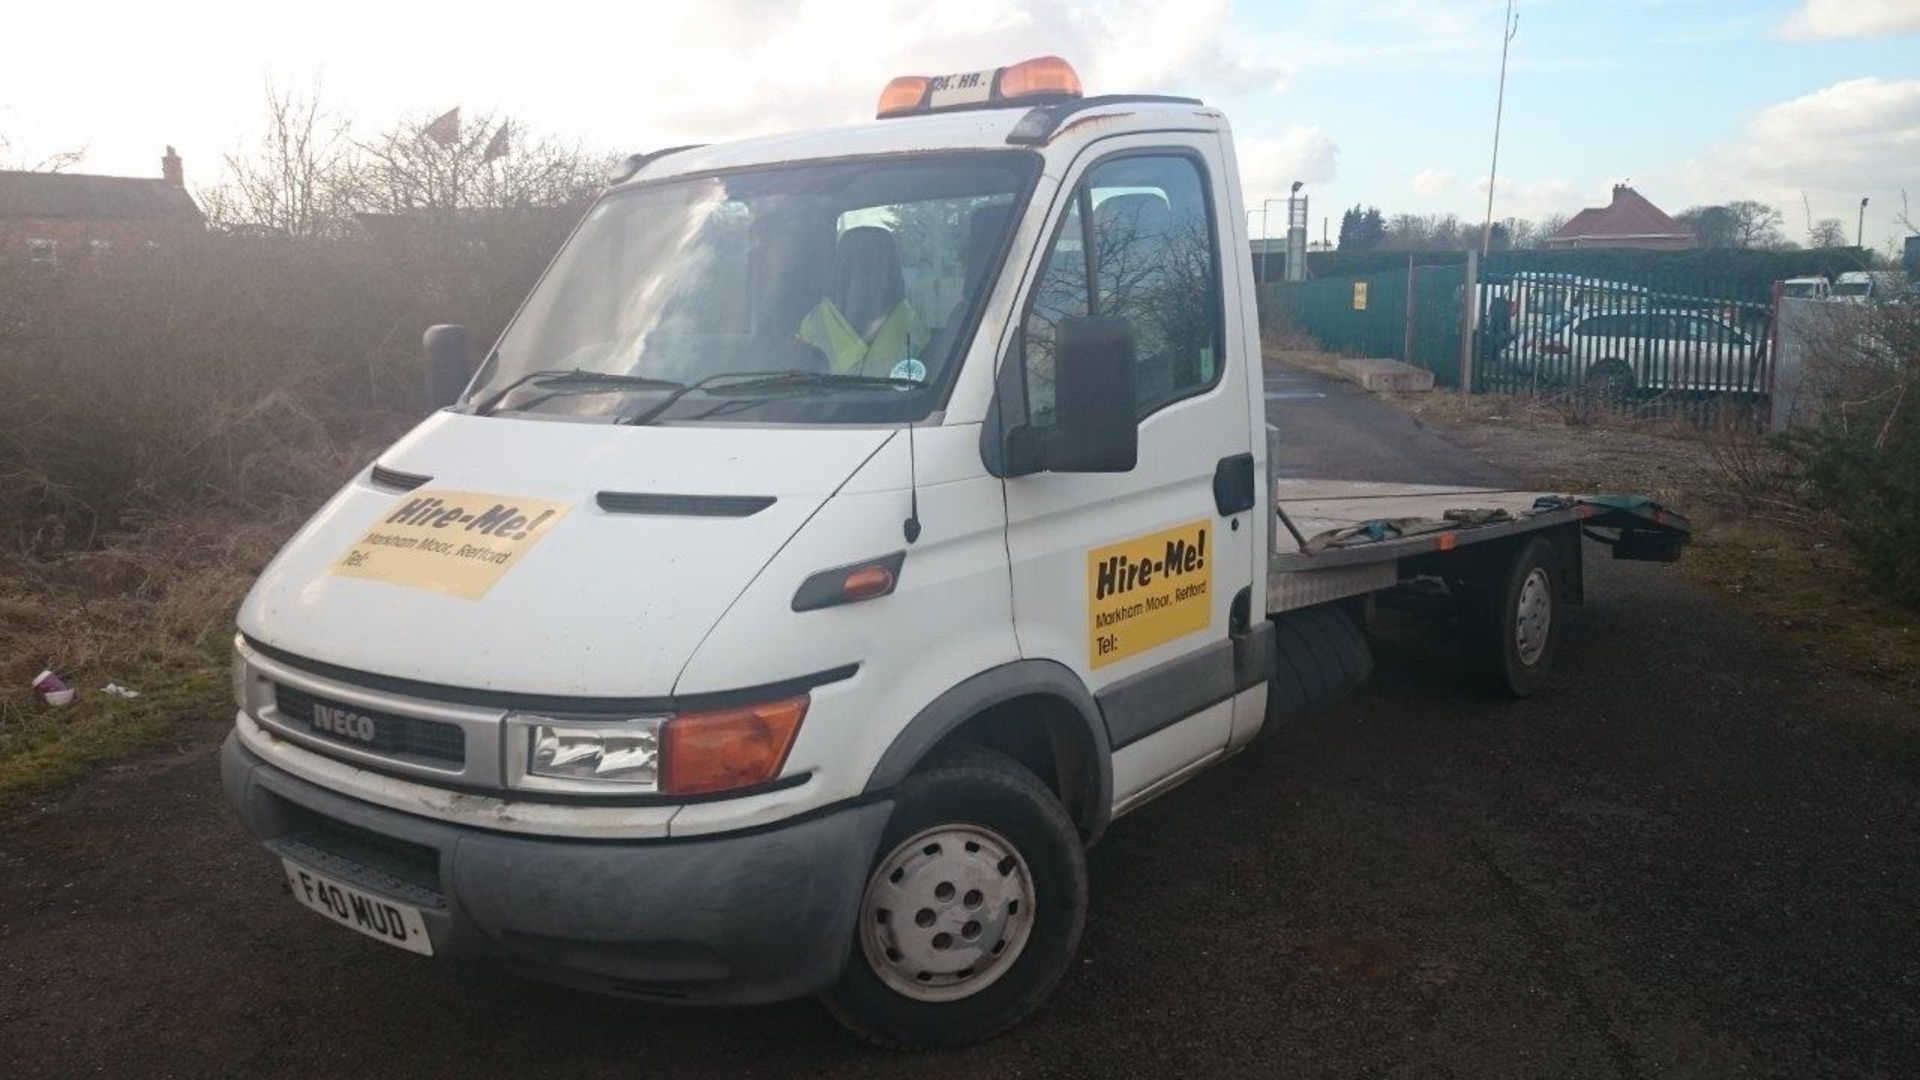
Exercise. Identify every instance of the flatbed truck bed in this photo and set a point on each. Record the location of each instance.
(1337, 539)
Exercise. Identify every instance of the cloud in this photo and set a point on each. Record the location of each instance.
(1269, 165)
(1432, 182)
(795, 69)
(1427, 36)
(1853, 18)
(1855, 138)
(619, 79)
(1532, 199)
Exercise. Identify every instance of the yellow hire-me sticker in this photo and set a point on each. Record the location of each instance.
(454, 542)
(1147, 591)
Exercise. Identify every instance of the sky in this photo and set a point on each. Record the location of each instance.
(1799, 103)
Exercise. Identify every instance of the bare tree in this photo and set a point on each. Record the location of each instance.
(1827, 233)
(58, 161)
(1754, 224)
(299, 180)
(487, 164)
(1522, 233)
(1549, 225)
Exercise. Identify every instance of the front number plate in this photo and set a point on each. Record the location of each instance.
(376, 917)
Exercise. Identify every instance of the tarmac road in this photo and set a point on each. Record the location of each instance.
(1671, 864)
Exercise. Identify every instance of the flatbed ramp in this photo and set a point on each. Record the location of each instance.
(1337, 538)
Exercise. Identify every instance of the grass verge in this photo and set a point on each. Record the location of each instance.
(47, 751)
(153, 611)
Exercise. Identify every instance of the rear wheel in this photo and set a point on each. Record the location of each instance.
(1515, 622)
(1611, 380)
(972, 911)
(1319, 655)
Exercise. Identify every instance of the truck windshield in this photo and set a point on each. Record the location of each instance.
(701, 298)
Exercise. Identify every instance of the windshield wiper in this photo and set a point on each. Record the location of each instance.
(825, 380)
(574, 377)
(767, 380)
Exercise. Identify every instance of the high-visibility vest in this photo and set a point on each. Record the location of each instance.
(826, 329)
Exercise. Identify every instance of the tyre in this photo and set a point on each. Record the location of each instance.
(1611, 381)
(972, 910)
(1321, 655)
(1515, 620)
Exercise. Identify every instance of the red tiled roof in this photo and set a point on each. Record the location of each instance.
(78, 195)
(1629, 215)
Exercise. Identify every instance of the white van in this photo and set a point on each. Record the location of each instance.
(1806, 288)
(1869, 286)
(848, 527)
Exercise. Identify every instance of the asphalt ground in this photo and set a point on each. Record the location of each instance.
(1671, 864)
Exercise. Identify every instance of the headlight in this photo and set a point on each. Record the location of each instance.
(694, 753)
(572, 755)
(239, 680)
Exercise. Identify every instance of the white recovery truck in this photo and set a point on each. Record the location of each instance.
(848, 527)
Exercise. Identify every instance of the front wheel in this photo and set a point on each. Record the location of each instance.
(972, 911)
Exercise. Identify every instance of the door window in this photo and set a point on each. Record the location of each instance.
(1137, 242)
(1604, 326)
(1710, 332)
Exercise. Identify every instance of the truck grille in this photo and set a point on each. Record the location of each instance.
(373, 731)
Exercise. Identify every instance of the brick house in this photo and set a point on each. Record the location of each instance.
(1629, 221)
(54, 218)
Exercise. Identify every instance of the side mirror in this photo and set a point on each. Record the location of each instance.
(449, 363)
(1095, 428)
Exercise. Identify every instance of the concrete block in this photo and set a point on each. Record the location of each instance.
(1380, 375)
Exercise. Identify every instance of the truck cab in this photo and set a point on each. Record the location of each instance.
(847, 527)
(1869, 286)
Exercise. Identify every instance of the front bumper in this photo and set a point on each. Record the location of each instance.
(739, 918)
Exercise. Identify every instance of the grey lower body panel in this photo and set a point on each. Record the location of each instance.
(1141, 704)
(741, 918)
(1290, 590)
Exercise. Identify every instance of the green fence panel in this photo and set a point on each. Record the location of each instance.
(1656, 336)
(1412, 315)
(1439, 303)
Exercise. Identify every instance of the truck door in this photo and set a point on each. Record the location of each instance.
(1132, 579)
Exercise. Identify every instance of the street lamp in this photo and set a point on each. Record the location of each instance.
(1292, 194)
(1860, 227)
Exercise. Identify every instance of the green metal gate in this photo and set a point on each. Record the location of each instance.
(1412, 315)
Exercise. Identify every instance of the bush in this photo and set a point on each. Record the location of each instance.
(227, 370)
(1859, 462)
(1874, 491)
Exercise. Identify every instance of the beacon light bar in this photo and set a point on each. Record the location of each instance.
(1040, 80)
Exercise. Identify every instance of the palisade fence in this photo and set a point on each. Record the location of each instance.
(1683, 334)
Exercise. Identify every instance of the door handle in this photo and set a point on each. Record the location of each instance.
(1233, 487)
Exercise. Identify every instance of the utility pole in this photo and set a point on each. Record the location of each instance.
(1860, 227)
(1296, 233)
(1253, 246)
(1509, 26)
(1264, 203)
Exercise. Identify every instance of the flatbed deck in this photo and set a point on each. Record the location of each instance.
(1354, 536)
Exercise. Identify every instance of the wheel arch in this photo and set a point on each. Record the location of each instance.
(1068, 749)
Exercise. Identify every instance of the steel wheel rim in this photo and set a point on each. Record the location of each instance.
(947, 912)
(1533, 620)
